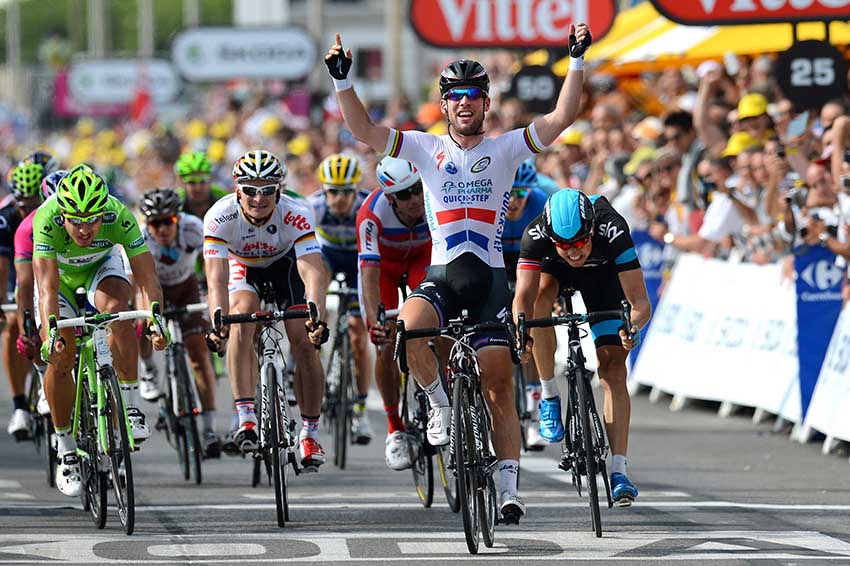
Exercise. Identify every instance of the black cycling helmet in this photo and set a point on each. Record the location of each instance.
(464, 72)
(160, 202)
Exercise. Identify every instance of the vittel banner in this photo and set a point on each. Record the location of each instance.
(507, 23)
(721, 12)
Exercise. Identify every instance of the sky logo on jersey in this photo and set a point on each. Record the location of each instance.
(481, 165)
(610, 231)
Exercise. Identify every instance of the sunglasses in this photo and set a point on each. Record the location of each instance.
(519, 193)
(337, 191)
(89, 220)
(578, 244)
(406, 194)
(160, 222)
(197, 180)
(471, 92)
(265, 190)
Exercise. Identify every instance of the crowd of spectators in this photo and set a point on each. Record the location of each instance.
(705, 161)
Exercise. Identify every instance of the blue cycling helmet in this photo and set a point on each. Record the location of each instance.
(526, 175)
(568, 216)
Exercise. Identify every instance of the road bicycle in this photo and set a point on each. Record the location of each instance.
(42, 432)
(178, 406)
(340, 384)
(278, 441)
(100, 426)
(584, 448)
(472, 460)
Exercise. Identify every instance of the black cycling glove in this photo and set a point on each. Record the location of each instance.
(339, 65)
(577, 49)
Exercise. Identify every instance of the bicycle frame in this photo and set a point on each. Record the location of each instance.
(173, 324)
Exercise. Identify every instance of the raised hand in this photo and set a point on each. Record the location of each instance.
(337, 60)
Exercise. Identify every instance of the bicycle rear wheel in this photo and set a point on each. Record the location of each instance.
(189, 416)
(463, 444)
(118, 440)
(94, 480)
(447, 479)
(487, 500)
(342, 424)
(50, 453)
(275, 445)
(588, 449)
(519, 401)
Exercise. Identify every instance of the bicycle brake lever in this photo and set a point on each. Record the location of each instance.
(626, 317)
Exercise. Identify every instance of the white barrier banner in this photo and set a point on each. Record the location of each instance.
(725, 332)
(828, 409)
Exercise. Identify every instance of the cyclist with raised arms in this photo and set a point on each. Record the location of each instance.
(198, 192)
(175, 239)
(252, 238)
(527, 201)
(467, 180)
(75, 236)
(26, 192)
(335, 210)
(582, 243)
(393, 240)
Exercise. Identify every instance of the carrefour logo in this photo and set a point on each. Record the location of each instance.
(650, 255)
(824, 276)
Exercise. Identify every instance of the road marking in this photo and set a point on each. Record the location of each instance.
(416, 546)
(9, 484)
(13, 495)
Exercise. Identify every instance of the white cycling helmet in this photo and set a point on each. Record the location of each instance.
(396, 175)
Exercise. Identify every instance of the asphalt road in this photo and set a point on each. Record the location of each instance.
(718, 491)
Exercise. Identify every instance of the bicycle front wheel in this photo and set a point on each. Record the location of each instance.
(464, 455)
(344, 404)
(192, 452)
(276, 445)
(589, 450)
(423, 468)
(94, 480)
(118, 441)
(486, 493)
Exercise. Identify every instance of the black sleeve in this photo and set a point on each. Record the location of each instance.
(7, 234)
(613, 227)
(535, 244)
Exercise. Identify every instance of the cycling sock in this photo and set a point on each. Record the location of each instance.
(533, 393)
(208, 419)
(394, 421)
(65, 442)
(508, 472)
(310, 427)
(436, 394)
(618, 464)
(130, 391)
(549, 388)
(360, 402)
(245, 410)
(20, 402)
(149, 365)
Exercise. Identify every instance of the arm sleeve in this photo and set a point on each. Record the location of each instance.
(44, 234)
(131, 238)
(410, 145)
(23, 242)
(368, 232)
(622, 245)
(215, 235)
(305, 239)
(534, 246)
(523, 144)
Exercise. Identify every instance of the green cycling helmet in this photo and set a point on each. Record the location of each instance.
(82, 192)
(193, 165)
(26, 180)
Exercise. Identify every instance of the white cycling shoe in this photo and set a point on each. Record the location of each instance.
(20, 425)
(439, 425)
(140, 428)
(69, 479)
(399, 451)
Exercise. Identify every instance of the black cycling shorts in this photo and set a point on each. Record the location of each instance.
(468, 283)
(279, 282)
(600, 289)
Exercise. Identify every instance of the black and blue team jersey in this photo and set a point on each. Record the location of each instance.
(598, 279)
(10, 219)
(512, 236)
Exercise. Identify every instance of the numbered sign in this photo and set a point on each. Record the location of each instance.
(537, 87)
(812, 73)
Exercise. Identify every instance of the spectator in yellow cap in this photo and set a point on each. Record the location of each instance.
(738, 142)
(753, 117)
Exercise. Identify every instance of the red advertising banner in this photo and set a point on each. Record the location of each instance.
(507, 23)
(722, 12)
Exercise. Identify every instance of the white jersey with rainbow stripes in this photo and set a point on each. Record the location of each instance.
(466, 190)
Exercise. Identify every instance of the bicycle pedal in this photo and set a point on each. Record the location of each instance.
(509, 518)
(22, 435)
(624, 501)
(310, 468)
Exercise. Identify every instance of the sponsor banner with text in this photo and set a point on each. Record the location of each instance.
(725, 332)
(724, 12)
(828, 408)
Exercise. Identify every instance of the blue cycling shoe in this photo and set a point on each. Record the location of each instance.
(551, 425)
(622, 490)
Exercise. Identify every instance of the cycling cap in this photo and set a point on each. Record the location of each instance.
(258, 164)
(464, 72)
(26, 180)
(50, 183)
(396, 175)
(568, 216)
(526, 175)
(82, 192)
(192, 165)
(160, 202)
(47, 161)
(340, 170)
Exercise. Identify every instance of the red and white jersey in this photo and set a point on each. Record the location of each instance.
(228, 234)
(466, 190)
(381, 236)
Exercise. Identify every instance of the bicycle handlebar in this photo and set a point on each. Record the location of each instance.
(624, 314)
(100, 318)
(10, 307)
(172, 312)
(311, 312)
